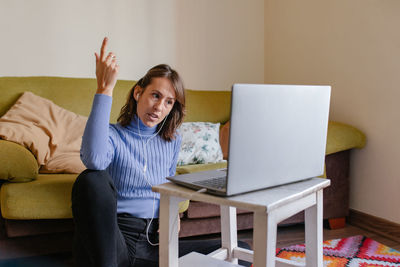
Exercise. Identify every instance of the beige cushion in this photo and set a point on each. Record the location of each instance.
(53, 134)
(17, 163)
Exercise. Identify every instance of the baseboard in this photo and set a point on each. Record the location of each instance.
(374, 224)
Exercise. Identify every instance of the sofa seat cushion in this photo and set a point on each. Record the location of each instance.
(48, 197)
(200, 167)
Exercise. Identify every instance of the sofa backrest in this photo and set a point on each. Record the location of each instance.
(208, 106)
(76, 95)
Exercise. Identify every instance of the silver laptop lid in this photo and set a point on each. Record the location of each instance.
(277, 135)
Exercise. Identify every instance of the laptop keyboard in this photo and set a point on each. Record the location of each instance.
(217, 182)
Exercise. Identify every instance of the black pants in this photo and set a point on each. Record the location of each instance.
(105, 238)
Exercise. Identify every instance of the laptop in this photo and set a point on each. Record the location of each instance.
(277, 136)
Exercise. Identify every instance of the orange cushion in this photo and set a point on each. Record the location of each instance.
(224, 139)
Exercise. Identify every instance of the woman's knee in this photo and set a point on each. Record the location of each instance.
(91, 182)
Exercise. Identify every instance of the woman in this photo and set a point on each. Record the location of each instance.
(112, 202)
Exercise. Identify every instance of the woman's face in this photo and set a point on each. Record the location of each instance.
(155, 101)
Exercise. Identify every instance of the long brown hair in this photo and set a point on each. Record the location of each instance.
(175, 117)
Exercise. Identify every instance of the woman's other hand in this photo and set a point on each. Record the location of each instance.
(106, 70)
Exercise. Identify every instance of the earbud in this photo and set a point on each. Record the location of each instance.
(137, 96)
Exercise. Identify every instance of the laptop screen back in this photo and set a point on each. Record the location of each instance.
(277, 135)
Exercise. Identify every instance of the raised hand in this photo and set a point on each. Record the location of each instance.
(106, 70)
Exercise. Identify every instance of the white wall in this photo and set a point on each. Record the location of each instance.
(352, 45)
(211, 43)
(355, 47)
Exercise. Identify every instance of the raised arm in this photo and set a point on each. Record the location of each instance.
(97, 147)
(106, 70)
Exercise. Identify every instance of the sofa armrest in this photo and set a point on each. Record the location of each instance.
(17, 164)
(342, 137)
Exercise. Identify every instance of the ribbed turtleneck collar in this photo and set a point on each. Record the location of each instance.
(144, 130)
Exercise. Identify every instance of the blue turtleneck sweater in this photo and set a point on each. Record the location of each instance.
(122, 151)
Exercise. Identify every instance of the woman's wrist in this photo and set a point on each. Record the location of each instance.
(104, 92)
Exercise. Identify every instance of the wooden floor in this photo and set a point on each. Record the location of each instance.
(291, 235)
(287, 235)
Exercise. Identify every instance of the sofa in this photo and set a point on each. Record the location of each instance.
(36, 215)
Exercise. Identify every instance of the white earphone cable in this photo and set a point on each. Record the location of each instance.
(144, 144)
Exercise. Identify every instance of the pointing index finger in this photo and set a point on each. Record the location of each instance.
(103, 48)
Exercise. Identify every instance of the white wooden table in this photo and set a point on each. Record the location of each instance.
(270, 206)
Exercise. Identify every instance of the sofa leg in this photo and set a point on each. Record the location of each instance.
(337, 223)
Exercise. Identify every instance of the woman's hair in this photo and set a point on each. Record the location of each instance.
(175, 117)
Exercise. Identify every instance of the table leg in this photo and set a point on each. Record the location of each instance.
(229, 231)
(168, 248)
(314, 233)
(264, 239)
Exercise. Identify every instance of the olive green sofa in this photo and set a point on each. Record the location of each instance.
(36, 211)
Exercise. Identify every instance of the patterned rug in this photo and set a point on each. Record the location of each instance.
(355, 251)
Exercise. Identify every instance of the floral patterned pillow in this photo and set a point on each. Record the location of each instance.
(200, 143)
